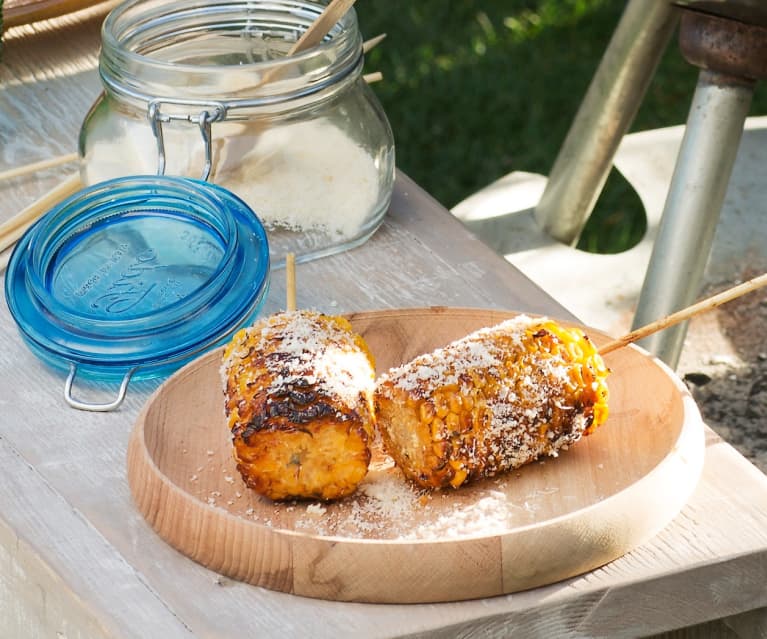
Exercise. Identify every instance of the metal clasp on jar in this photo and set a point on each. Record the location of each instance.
(210, 112)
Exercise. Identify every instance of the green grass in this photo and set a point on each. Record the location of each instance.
(475, 89)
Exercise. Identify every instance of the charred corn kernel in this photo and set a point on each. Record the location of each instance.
(437, 429)
(427, 412)
(516, 391)
(298, 399)
(439, 449)
(459, 475)
(441, 406)
(453, 423)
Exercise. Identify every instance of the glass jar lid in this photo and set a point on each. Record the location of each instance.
(133, 277)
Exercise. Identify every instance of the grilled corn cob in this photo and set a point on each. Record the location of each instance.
(491, 402)
(298, 399)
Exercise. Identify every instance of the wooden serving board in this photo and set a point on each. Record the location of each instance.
(547, 521)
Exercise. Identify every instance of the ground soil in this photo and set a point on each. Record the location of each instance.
(724, 363)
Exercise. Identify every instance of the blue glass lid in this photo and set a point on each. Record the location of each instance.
(137, 275)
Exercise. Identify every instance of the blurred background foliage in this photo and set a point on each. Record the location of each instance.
(475, 89)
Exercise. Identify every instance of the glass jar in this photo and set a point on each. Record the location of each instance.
(206, 90)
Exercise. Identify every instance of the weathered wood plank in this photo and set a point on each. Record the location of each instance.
(59, 575)
(40, 113)
(749, 624)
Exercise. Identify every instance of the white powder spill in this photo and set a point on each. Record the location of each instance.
(386, 506)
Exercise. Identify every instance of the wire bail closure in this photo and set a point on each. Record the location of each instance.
(99, 408)
(204, 119)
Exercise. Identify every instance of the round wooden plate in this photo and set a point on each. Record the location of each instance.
(549, 520)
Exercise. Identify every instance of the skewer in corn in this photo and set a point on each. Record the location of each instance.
(298, 397)
(707, 304)
(491, 402)
(503, 396)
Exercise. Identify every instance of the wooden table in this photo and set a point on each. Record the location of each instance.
(77, 559)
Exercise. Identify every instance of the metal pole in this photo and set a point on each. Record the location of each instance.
(732, 56)
(691, 213)
(604, 116)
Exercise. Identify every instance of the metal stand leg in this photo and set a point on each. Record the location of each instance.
(691, 212)
(606, 112)
(734, 55)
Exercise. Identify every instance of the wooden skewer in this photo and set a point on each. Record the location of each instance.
(38, 166)
(686, 313)
(313, 35)
(14, 228)
(376, 76)
(290, 281)
(372, 43)
(321, 26)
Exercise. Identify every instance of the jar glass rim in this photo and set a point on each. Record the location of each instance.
(138, 34)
